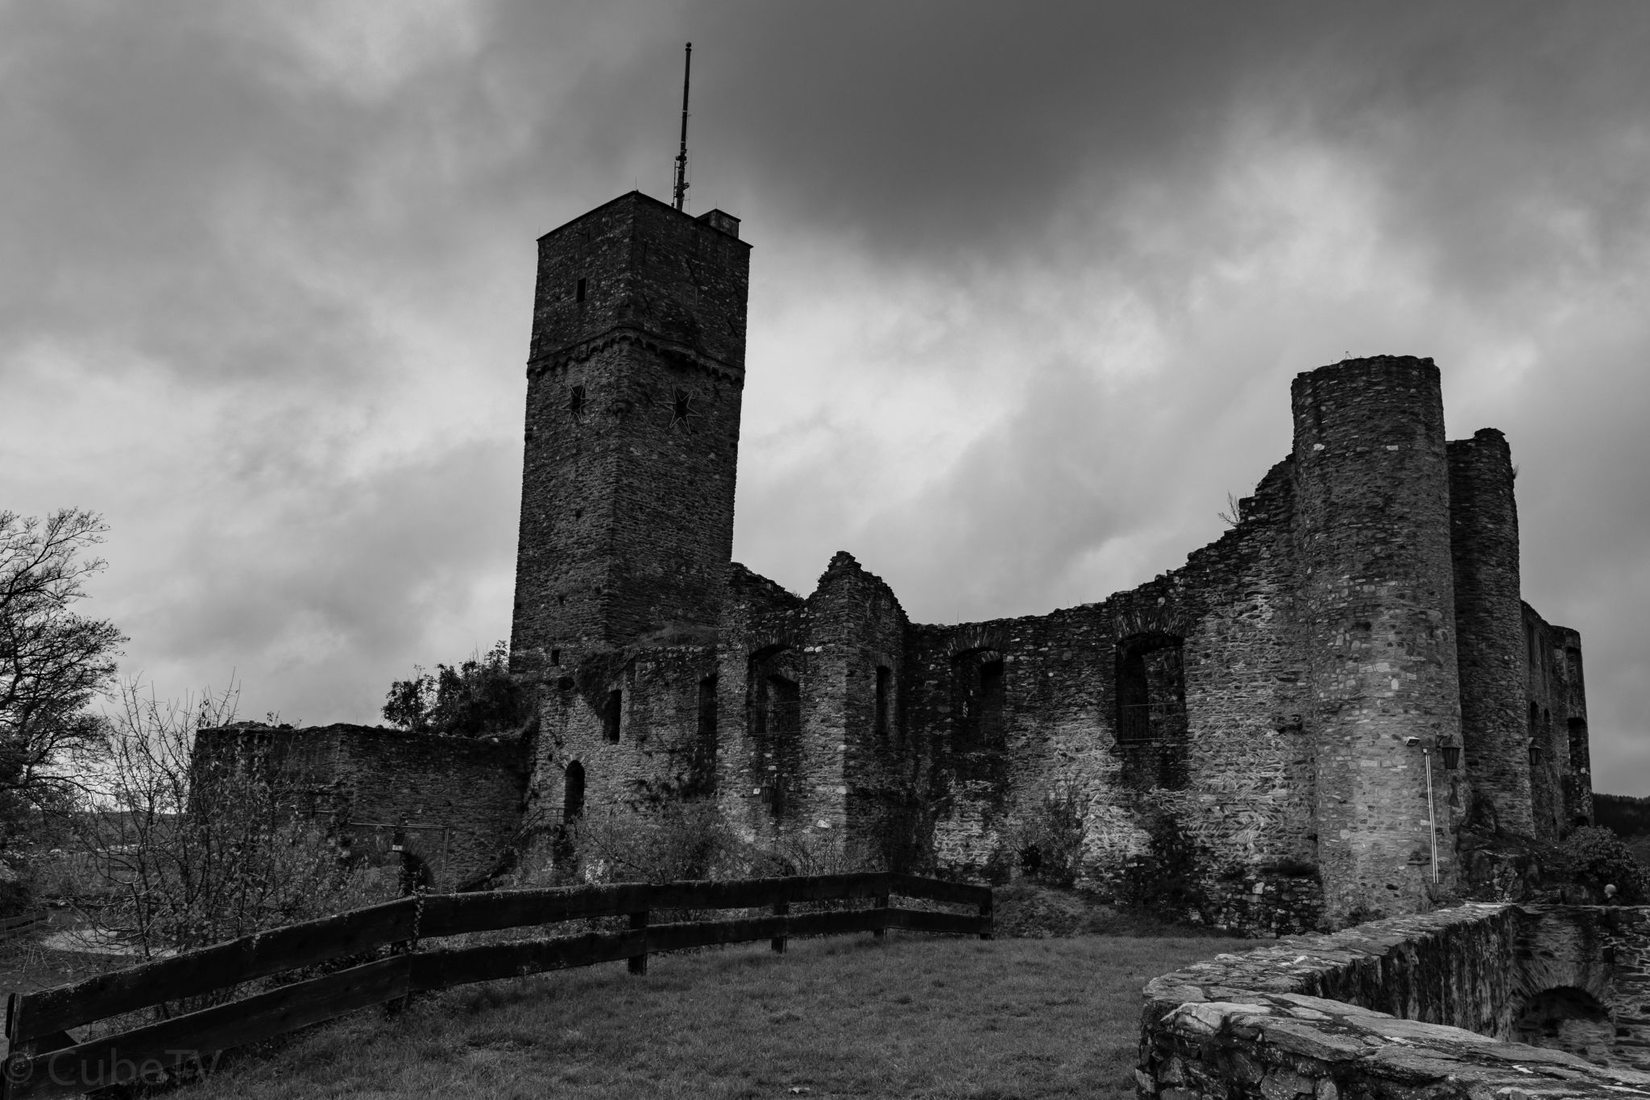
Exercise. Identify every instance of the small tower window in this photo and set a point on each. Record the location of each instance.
(578, 291)
(885, 678)
(575, 400)
(610, 715)
(681, 407)
(707, 710)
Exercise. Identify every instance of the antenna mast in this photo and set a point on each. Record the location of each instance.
(681, 157)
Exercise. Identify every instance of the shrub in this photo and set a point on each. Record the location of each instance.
(1596, 857)
(658, 843)
(1049, 842)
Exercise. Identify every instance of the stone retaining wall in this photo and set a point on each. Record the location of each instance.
(1408, 1007)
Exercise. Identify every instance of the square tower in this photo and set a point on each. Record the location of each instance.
(634, 382)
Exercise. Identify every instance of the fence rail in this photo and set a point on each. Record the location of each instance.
(46, 1060)
(12, 927)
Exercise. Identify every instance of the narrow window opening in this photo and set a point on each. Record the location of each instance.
(707, 710)
(575, 400)
(610, 715)
(555, 657)
(572, 803)
(978, 679)
(578, 293)
(885, 677)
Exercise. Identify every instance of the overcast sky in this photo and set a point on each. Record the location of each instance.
(1029, 283)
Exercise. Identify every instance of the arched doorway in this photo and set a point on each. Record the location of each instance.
(1569, 1019)
(572, 804)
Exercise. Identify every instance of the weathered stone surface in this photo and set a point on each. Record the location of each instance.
(1475, 965)
(456, 803)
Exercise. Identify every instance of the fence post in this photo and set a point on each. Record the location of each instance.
(985, 914)
(638, 922)
(881, 930)
(780, 909)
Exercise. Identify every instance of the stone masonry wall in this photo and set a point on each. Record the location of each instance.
(1209, 816)
(457, 801)
(1489, 621)
(1377, 609)
(1555, 727)
(632, 428)
(1405, 1007)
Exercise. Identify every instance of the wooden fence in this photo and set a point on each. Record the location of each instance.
(46, 1060)
(12, 927)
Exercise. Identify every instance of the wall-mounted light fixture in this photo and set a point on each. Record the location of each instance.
(1451, 753)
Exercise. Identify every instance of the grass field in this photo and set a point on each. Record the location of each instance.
(913, 1017)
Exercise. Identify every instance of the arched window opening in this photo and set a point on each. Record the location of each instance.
(1151, 688)
(977, 676)
(774, 708)
(1567, 1019)
(572, 803)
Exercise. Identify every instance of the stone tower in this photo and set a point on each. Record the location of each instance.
(634, 382)
(1377, 606)
(1489, 616)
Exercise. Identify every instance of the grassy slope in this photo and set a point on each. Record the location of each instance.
(916, 1017)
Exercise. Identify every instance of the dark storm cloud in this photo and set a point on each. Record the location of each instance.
(1029, 286)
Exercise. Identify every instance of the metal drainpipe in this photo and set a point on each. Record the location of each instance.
(1432, 817)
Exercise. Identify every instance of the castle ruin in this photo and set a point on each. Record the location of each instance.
(1256, 725)
(1305, 724)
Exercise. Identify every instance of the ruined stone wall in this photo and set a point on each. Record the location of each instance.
(859, 627)
(1377, 610)
(629, 723)
(457, 801)
(1555, 727)
(632, 428)
(1489, 622)
(1204, 809)
(1415, 1005)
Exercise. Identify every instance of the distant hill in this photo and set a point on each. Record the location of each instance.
(1622, 815)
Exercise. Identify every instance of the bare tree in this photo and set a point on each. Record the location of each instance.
(195, 847)
(53, 663)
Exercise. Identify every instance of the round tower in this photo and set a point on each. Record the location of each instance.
(1489, 619)
(1377, 612)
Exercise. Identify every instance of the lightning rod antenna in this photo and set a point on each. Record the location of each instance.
(681, 157)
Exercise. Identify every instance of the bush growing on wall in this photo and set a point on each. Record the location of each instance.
(1596, 857)
(1049, 843)
(476, 697)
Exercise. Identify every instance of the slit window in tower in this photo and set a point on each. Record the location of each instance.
(885, 677)
(578, 291)
(707, 710)
(575, 400)
(610, 715)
